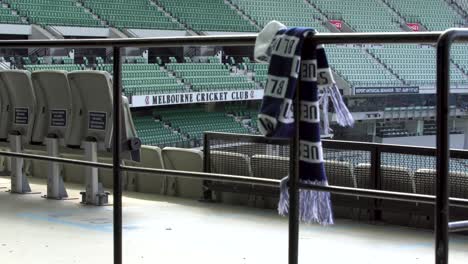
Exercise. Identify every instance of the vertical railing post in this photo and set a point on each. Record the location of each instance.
(116, 148)
(375, 182)
(441, 225)
(207, 194)
(293, 253)
(443, 148)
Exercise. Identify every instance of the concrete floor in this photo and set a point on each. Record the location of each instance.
(161, 229)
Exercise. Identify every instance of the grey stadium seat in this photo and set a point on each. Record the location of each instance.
(95, 91)
(5, 108)
(185, 160)
(394, 178)
(271, 167)
(27, 107)
(234, 164)
(340, 173)
(54, 86)
(362, 172)
(151, 157)
(458, 182)
(230, 163)
(424, 181)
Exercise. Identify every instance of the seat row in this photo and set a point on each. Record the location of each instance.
(60, 110)
(394, 178)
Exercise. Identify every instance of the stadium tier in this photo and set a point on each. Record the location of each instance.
(193, 123)
(436, 15)
(207, 15)
(131, 14)
(7, 16)
(299, 12)
(463, 4)
(54, 12)
(209, 77)
(415, 64)
(359, 68)
(55, 67)
(361, 16)
(260, 70)
(153, 132)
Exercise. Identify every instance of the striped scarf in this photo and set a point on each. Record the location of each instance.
(294, 60)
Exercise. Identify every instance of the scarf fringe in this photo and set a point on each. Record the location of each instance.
(343, 116)
(314, 206)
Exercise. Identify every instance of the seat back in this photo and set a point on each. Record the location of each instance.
(270, 167)
(55, 88)
(186, 160)
(340, 173)
(182, 159)
(230, 163)
(28, 107)
(394, 178)
(5, 109)
(94, 89)
(151, 157)
(458, 184)
(362, 172)
(397, 179)
(424, 181)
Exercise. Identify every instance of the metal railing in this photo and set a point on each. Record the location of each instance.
(441, 200)
(349, 153)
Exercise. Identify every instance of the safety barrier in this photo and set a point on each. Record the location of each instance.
(444, 41)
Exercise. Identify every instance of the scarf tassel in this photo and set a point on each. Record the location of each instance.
(314, 206)
(343, 116)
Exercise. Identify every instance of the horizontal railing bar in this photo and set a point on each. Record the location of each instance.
(246, 138)
(230, 40)
(368, 193)
(380, 194)
(458, 226)
(399, 196)
(56, 159)
(341, 144)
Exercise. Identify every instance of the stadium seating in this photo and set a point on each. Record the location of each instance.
(151, 157)
(131, 14)
(459, 56)
(361, 16)
(209, 77)
(462, 3)
(54, 13)
(207, 15)
(259, 69)
(185, 160)
(298, 12)
(196, 121)
(145, 79)
(358, 68)
(152, 132)
(415, 64)
(7, 17)
(435, 16)
(54, 67)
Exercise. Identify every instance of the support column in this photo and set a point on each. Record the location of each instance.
(19, 182)
(55, 187)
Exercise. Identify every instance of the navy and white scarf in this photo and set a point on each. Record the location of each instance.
(294, 60)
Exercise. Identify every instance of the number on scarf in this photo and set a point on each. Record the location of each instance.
(285, 46)
(276, 86)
